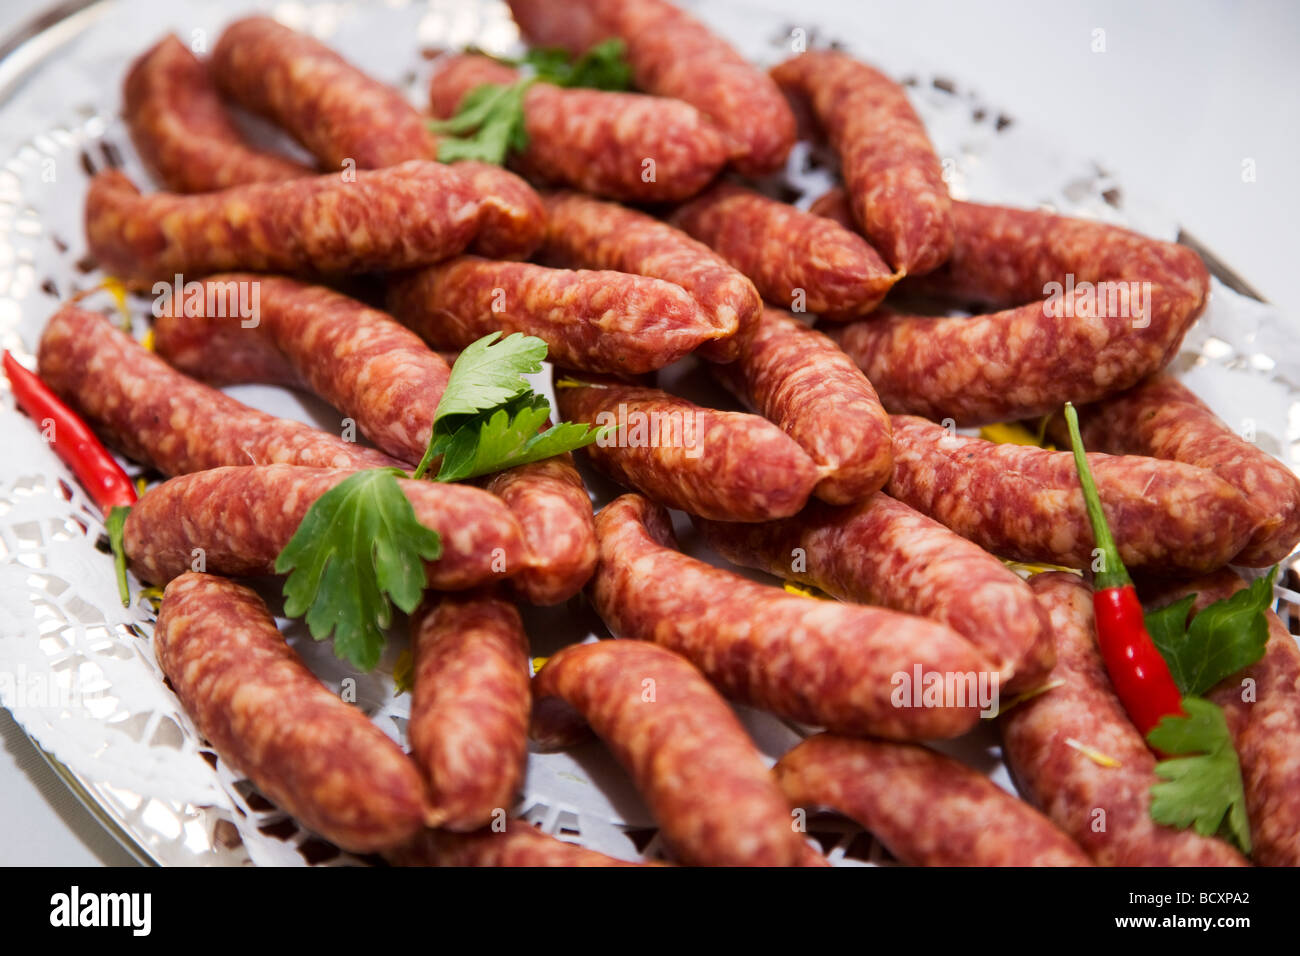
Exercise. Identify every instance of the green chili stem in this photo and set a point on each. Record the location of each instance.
(1113, 573)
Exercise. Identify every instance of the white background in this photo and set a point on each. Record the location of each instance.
(1185, 92)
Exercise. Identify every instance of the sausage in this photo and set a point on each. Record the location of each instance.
(470, 705)
(879, 551)
(844, 667)
(927, 809)
(182, 131)
(598, 321)
(384, 378)
(265, 713)
(1105, 809)
(791, 375)
(673, 54)
(238, 519)
(1116, 309)
(892, 174)
(1265, 726)
(1160, 417)
(342, 116)
(624, 146)
(586, 233)
(166, 420)
(1025, 503)
(357, 358)
(684, 747)
(725, 465)
(551, 504)
(410, 215)
(518, 845)
(793, 257)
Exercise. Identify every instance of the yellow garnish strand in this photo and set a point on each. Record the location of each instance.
(148, 341)
(1008, 433)
(539, 663)
(1096, 756)
(806, 590)
(140, 486)
(117, 289)
(404, 673)
(1028, 695)
(568, 381)
(1029, 570)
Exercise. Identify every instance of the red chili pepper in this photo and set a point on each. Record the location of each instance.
(1137, 671)
(73, 441)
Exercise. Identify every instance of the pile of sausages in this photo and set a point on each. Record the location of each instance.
(845, 474)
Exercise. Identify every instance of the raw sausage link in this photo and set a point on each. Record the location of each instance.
(553, 509)
(881, 552)
(518, 845)
(927, 809)
(341, 115)
(1265, 727)
(792, 375)
(1125, 303)
(1106, 809)
(410, 215)
(589, 234)
(327, 104)
(892, 173)
(264, 712)
(1163, 419)
(597, 321)
(383, 377)
(685, 749)
(1024, 502)
(470, 706)
(238, 519)
(164, 419)
(726, 465)
(182, 131)
(622, 145)
(835, 665)
(789, 254)
(673, 54)
(357, 358)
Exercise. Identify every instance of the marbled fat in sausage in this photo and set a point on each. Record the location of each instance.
(317, 757)
(593, 320)
(1118, 312)
(879, 551)
(181, 128)
(845, 667)
(469, 706)
(164, 419)
(927, 809)
(800, 380)
(893, 177)
(726, 465)
(585, 233)
(700, 774)
(401, 217)
(1025, 503)
(1160, 417)
(796, 259)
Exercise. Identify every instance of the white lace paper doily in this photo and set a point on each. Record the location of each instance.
(77, 670)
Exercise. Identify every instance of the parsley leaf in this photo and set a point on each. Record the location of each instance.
(1224, 638)
(358, 550)
(1203, 791)
(489, 373)
(489, 123)
(603, 67)
(508, 436)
